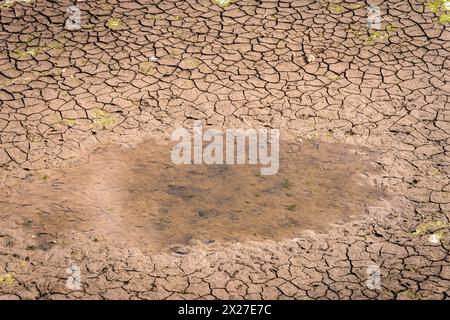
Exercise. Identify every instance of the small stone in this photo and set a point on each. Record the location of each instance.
(434, 238)
(180, 251)
(310, 58)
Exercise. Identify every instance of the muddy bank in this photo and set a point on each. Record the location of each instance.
(138, 197)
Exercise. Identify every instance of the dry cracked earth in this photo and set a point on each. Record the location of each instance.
(85, 113)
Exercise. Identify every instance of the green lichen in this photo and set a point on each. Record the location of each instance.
(223, 3)
(103, 118)
(411, 269)
(445, 18)
(7, 278)
(328, 135)
(333, 77)
(410, 294)
(8, 3)
(55, 45)
(373, 37)
(22, 54)
(154, 17)
(441, 7)
(5, 4)
(114, 24)
(291, 207)
(430, 226)
(33, 51)
(336, 8)
(435, 5)
(355, 32)
(390, 28)
(354, 6)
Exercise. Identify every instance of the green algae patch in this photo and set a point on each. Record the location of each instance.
(153, 17)
(336, 8)
(8, 3)
(391, 28)
(25, 54)
(410, 294)
(441, 8)
(355, 6)
(445, 18)
(223, 3)
(435, 5)
(115, 24)
(291, 207)
(7, 279)
(373, 37)
(103, 118)
(430, 226)
(355, 32)
(54, 44)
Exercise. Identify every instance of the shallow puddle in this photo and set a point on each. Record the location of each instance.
(137, 196)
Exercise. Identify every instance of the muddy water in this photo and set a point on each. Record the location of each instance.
(138, 197)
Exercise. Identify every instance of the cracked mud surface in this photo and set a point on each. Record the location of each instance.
(136, 70)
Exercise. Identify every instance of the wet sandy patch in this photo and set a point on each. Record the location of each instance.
(138, 197)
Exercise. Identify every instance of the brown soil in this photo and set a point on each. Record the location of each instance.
(138, 197)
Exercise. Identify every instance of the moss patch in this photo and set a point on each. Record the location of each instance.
(391, 28)
(223, 3)
(8, 3)
(115, 24)
(25, 54)
(445, 18)
(435, 5)
(430, 226)
(291, 207)
(410, 294)
(336, 8)
(103, 118)
(7, 278)
(55, 45)
(442, 8)
(373, 37)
